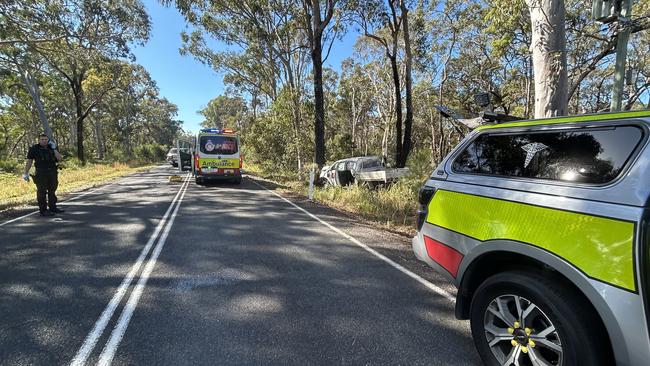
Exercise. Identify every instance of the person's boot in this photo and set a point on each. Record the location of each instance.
(56, 210)
(47, 213)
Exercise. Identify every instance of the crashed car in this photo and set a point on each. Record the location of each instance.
(345, 171)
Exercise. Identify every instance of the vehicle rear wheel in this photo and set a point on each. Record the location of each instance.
(198, 180)
(520, 318)
(238, 181)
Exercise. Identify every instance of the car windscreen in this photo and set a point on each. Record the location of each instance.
(218, 145)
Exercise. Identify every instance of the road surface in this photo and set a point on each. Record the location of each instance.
(146, 272)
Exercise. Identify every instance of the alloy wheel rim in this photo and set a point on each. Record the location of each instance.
(519, 333)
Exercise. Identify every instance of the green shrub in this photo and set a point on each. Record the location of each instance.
(12, 166)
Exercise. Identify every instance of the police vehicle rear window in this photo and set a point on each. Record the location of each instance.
(586, 156)
(221, 145)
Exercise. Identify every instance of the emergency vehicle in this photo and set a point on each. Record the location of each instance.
(544, 227)
(217, 156)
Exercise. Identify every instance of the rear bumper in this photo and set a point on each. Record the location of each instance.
(218, 176)
(420, 250)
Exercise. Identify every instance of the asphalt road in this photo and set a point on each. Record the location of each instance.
(147, 272)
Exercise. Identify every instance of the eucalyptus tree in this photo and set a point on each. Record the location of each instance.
(24, 22)
(564, 39)
(267, 49)
(100, 32)
(548, 45)
(225, 111)
(386, 22)
(323, 20)
(73, 38)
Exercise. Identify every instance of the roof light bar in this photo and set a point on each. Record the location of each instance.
(217, 130)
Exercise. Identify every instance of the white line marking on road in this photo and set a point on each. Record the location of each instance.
(18, 218)
(100, 325)
(61, 203)
(113, 343)
(414, 276)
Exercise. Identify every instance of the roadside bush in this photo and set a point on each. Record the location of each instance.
(395, 204)
(150, 152)
(12, 166)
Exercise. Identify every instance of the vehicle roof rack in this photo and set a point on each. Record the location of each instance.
(499, 117)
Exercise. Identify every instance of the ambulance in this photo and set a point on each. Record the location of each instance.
(217, 156)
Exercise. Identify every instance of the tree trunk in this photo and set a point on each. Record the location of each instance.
(398, 111)
(296, 115)
(408, 123)
(319, 99)
(99, 140)
(77, 90)
(32, 87)
(354, 120)
(529, 89)
(548, 48)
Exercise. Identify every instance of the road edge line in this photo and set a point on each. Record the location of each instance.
(392, 263)
(64, 202)
(61, 203)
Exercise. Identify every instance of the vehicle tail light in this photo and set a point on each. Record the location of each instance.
(424, 197)
(449, 258)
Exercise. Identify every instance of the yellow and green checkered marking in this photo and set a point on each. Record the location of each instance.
(600, 247)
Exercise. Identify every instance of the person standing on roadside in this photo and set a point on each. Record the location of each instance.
(45, 157)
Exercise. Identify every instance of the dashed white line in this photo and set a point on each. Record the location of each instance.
(400, 268)
(101, 323)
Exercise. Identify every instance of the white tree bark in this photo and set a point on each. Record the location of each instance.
(548, 48)
(32, 87)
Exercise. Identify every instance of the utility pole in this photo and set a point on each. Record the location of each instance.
(619, 12)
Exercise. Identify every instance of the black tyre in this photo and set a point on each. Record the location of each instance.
(198, 180)
(238, 181)
(532, 319)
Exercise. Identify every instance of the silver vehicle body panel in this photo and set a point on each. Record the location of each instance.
(624, 198)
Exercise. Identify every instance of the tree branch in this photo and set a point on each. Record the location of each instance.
(606, 51)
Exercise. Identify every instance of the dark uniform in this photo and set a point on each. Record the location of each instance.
(46, 177)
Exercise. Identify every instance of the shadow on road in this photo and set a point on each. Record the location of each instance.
(247, 279)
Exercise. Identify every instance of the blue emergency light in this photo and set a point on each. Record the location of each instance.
(216, 130)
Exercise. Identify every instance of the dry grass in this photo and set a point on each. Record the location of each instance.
(392, 207)
(14, 191)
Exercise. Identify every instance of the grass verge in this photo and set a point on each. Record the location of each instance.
(15, 192)
(391, 207)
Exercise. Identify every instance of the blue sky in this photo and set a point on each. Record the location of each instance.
(183, 80)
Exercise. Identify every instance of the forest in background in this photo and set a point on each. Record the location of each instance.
(66, 67)
(410, 58)
(67, 64)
